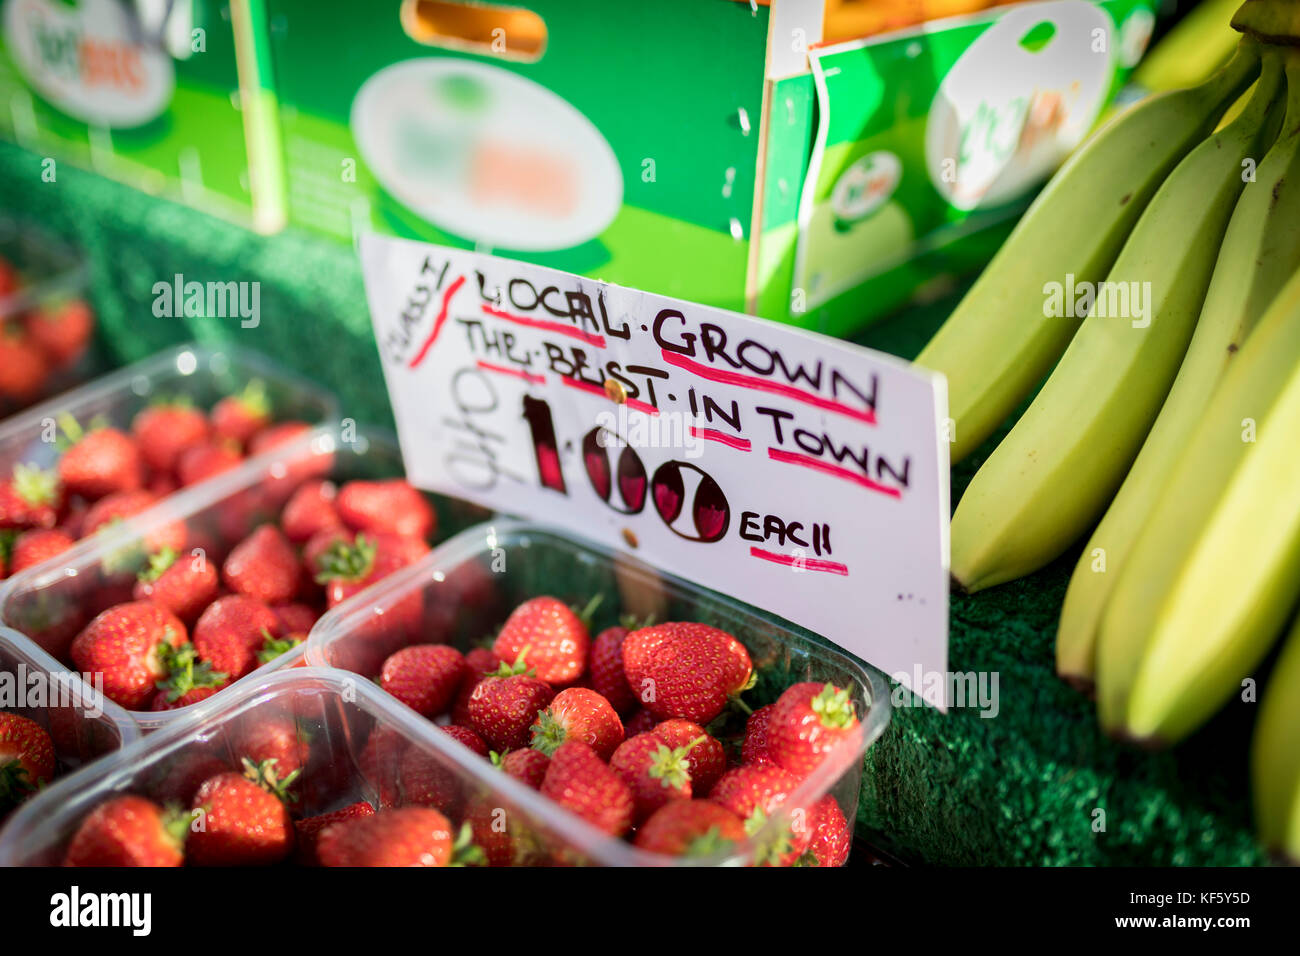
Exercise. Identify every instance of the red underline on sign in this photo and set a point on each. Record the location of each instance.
(559, 328)
(807, 461)
(438, 322)
(763, 385)
(517, 373)
(597, 390)
(811, 564)
(713, 435)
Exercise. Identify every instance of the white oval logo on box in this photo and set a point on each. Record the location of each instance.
(1020, 98)
(83, 60)
(866, 186)
(486, 154)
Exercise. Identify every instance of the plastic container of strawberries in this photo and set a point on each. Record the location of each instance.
(35, 685)
(463, 591)
(42, 281)
(335, 715)
(52, 602)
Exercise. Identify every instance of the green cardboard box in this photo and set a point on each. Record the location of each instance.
(147, 92)
(710, 150)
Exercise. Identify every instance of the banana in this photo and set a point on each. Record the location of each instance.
(1273, 21)
(1198, 45)
(1260, 251)
(1216, 568)
(1052, 476)
(1275, 755)
(997, 345)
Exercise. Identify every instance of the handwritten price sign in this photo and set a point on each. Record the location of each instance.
(796, 472)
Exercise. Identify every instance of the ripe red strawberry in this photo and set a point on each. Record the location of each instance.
(295, 618)
(578, 714)
(809, 720)
(410, 836)
(276, 436)
(37, 546)
(310, 510)
(206, 460)
(184, 586)
(390, 507)
(430, 781)
(124, 642)
(754, 749)
(31, 498)
(26, 759)
(605, 667)
(238, 417)
(62, 331)
(424, 677)
(180, 775)
(309, 829)
(349, 568)
(579, 781)
(685, 670)
(164, 430)
(479, 662)
(241, 819)
(693, 828)
(129, 831)
(554, 637)
(263, 566)
(492, 832)
(641, 722)
(654, 772)
(229, 634)
(467, 737)
(321, 544)
(274, 739)
(10, 278)
(380, 765)
(99, 462)
(755, 793)
(24, 369)
(504, 705)
(528, 766)
(120, 506)
(707, 760)
(831, 836)
(188, 680)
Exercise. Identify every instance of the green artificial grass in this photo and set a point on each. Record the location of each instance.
(1023, 787)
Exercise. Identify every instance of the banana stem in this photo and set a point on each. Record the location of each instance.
(1275, 22)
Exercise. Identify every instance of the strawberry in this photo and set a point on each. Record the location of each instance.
(686, 670)
(122, 505)
(391, 507)
(809, 720)
(188, 680)
(504, 705)
(310, 510)
(380, 765)
(424, 677)
(31, 498)
(277, 646)
(237, 418)
(754, 749)
(185, 586)
(62, 331)
(554, 636)
(206, 460)
(24, 369)
(707, 761)
(10, 279)
(605, 667)
(692, 828)
(654, 771)
(640, 723)
(309, 829)
(479, 662)
(99, 462)
(274, 739)
(578, 714)
(231, 631)
(467, 737)
(831, 837)
(528, 766)
(164, 430)
(36, 547)
(180, 775)
(755, 792)
(579, 781)
(276, 436)
(129, 831)
(124, 642)
(349, 568)
(241, 819)
(321, 544)
(26, 759)
(429, 781)
(295, 618)
(491, 830)
(411, 836)
(263, 566)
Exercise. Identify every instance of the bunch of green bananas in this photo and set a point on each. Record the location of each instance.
(1168, 418)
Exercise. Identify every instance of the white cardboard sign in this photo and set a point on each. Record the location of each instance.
(796, 472)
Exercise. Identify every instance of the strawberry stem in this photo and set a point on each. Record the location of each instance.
(833, 707)
(159, 562)
(346, 562)
(36, 486)
(273, 647)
